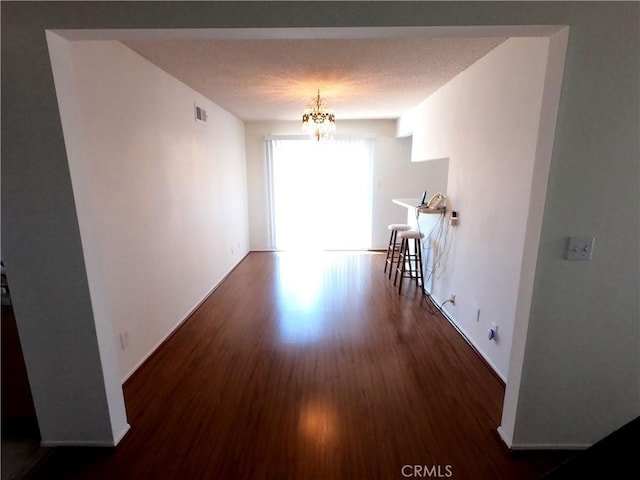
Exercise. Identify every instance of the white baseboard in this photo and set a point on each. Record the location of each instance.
(74, 443)
(504, 438)
(179, 324)
(548, 446)
(85, 443)
(522, 447)
(464, 335)
(121, 435)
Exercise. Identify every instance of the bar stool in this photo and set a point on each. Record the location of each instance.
(410, 264)
(394, 246)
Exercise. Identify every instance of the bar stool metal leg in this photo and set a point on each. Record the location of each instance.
(393, 249)
(410, 264)
(390, 252)
(401, 261)
(419, 273)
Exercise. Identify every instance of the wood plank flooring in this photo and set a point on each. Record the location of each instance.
(309, 368)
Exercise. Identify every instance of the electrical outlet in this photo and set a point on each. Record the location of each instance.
(453, 298)
(453, 219)
(580, 248)
(493, 332)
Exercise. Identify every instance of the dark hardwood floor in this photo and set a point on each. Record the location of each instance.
(310, 368)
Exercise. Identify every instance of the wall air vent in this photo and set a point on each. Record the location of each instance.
(200, 113)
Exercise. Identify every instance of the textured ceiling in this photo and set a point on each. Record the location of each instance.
(275, 79)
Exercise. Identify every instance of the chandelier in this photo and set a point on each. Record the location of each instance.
(318, 119)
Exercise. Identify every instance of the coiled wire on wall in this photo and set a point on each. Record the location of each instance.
(439, 235)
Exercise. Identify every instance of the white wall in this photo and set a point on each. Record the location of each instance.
(394, 176)
(581, 370)
(544, 148)
(486, 121)
(582, 361)
(161, 198)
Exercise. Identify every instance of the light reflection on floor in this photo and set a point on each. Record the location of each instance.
(300, 286)
(304, 315)
(318, 422)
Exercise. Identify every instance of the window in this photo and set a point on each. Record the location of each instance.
(320, 193)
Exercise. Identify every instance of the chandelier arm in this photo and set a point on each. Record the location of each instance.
(318, 120)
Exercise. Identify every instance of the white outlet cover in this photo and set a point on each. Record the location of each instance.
(580, 248)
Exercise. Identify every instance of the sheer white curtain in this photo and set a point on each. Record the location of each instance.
(320, 193)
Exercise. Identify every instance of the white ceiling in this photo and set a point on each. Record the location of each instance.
(275, 78)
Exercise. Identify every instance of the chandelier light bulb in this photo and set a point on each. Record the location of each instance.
(318, 119)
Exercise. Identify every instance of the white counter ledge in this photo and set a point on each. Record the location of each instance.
(407, 202)
(413, 203)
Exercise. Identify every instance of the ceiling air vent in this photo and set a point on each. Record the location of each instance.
(200, 113)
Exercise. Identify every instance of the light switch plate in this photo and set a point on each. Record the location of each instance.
(580, 248)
